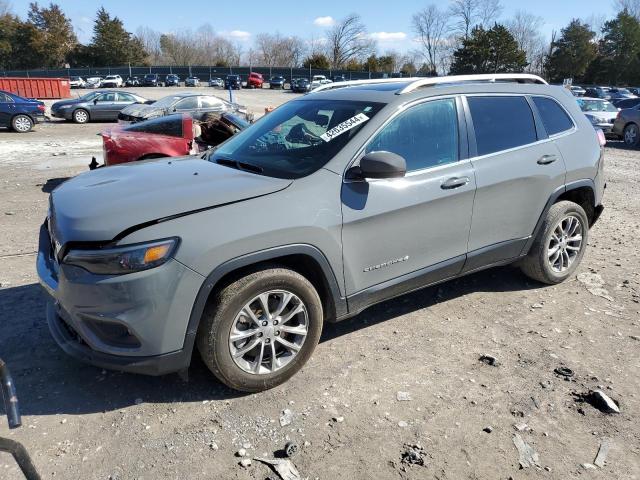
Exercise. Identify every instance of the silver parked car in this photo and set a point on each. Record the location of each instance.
(98, 105)
(331, 203)
(601, 113)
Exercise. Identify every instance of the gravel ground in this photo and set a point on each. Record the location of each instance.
(403, 373)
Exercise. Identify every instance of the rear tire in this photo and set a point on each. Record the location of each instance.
(559, 246)
(21, 123)
(230, 312)
(631, 135)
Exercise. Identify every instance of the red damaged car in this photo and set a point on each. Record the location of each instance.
(169, 136)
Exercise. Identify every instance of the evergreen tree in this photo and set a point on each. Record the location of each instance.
(112, 45)
(317, 60)
(489, 51)
(619, 51)
(52, 36)
(572, 52)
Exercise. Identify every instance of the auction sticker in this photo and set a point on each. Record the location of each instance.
(344, 127)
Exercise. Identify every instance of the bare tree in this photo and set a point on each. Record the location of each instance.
(596, 23)
(631, 6)
(431, 25)
(180, 48)
(525, 28)
(489, 12)
(5, 8)
(275, 50)
(150, 39)
(348, 40)
(470, 13)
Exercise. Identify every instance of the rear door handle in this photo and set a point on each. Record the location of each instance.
(454, 182)
(547, 159)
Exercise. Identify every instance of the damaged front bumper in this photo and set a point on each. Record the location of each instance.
(135, 323)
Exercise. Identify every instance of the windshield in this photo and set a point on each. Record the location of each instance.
(596, 106)
(298, 138)
(150, 76)
(167, 101)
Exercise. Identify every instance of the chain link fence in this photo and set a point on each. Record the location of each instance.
(204, 73)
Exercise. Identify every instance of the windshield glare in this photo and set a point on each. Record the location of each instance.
(299, 137)
(89, 96)
(596, 106)
(167, 101)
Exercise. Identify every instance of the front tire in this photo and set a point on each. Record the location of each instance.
(81, 116)
(560, 245)
(260, 330)
(21, 123)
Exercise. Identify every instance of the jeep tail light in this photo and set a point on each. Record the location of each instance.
(601, 138)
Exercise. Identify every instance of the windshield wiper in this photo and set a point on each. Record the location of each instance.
(248, 167)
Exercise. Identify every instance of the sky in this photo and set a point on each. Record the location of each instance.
(388, 22)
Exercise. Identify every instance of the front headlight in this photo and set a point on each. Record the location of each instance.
(121, 260)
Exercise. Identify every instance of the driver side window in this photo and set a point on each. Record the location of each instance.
(426, 135)
(107, 97)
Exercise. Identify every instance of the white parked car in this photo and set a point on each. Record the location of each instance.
(76, 82)
(112, 81)
(93, 82)
(318, 80)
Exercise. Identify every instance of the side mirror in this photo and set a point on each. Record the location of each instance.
(378, 165)
(95, 101)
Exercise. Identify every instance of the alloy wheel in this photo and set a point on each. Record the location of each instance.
(22, 124)
(268, 332)
(81, 116)
(631, 135)
(565, 243)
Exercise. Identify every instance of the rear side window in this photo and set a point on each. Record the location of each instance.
(171, 126)
(501, 123)
(554, 117)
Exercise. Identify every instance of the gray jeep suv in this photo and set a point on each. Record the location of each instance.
(342, 198)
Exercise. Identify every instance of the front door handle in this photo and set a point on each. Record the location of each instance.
(547, 159)
(454, 182)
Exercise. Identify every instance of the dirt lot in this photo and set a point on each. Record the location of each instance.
(86, 423)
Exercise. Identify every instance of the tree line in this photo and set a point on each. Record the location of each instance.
(461, 37)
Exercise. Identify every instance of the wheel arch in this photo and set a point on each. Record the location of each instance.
(305, 259)
(581, 192)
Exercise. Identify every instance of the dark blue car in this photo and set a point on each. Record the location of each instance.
(19, 114)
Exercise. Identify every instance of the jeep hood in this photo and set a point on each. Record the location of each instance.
(99, 205)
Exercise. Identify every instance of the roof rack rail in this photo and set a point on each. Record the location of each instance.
(418, 82)
(492, 77)
(351, 83)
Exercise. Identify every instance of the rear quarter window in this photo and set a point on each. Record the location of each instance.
(501, 123)
(554, 117)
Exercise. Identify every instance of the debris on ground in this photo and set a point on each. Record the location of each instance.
(489, 360)
(488, 429)
(282, 467)
(601, 401)
(338, 419)
(403, 396)
(291, 449)
(521, 427)
(403, 424)
(413, 455)
(603, 451)
(245, 462)
(588, 466)
(528, 456)
(286, 418)
(594, 284)
(241, 453)
(565, 372)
